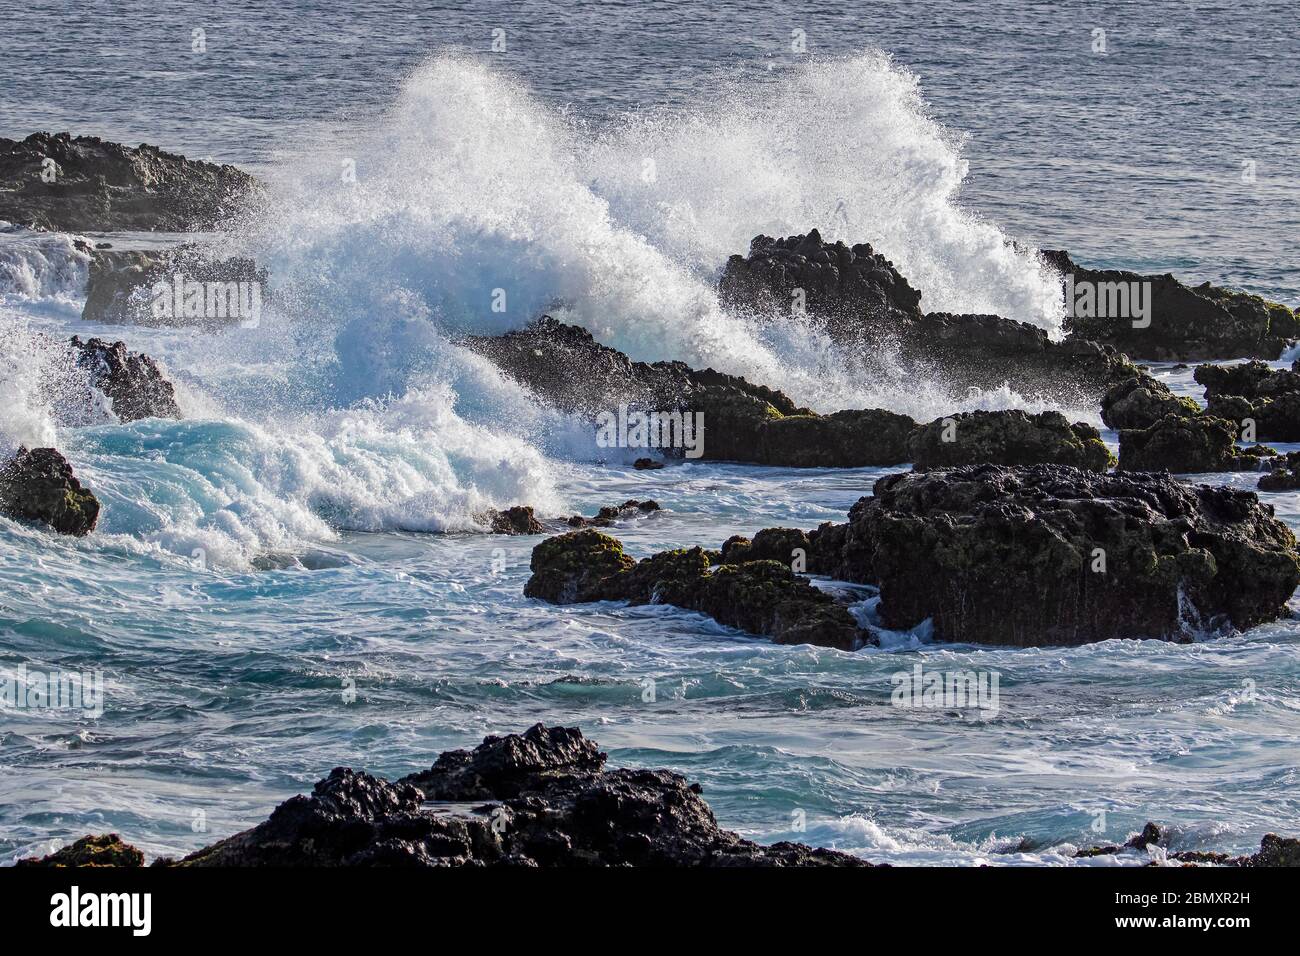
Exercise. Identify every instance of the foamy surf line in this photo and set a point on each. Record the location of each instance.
(470, 208)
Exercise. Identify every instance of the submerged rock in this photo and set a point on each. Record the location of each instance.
(538, 799)
(84, 184)
(609, 514)
(1188, 445)
(130, 380)
(39, 486)
(1051, 555)
(763, 597)
(1009, 437)
(1139, 401)
(1185, 322)
(647, 464)
(730, 419)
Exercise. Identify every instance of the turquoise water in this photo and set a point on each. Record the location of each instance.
(292, 578)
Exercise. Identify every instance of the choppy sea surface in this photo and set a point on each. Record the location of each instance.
(292, 577)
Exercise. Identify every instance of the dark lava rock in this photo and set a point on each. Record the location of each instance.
(576, 568)
(866, 304)
(1248, 379)
(1274, 851)
(123, 286)
(816, 552)
(105, 187)
(569, 370)
(1197, 444)
(132, 381)
(105, 850)
(1052, 555)
(846, 439)
(1285, 474)
(1186, 322)
(988, 351)
(538, 799)
(762, 597)
(517, 520)
(1011, 437)
(1270, 419)
(844, 285)
(39, 486)
(609, 514)
(1139, 401)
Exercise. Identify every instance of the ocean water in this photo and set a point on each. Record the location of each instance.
(292, 578)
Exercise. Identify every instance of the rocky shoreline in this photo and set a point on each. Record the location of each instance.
(540, 799)
(1011, 528)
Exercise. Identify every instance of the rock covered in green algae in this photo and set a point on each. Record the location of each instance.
(576, 568)
(1186, 446)
(517, 520)
(1139, 401)
(39, 486)
(104, 850)
(1008, 437)
(763, 597)
(1052, 555)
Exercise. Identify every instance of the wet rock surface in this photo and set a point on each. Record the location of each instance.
(1139, 401)
(1186, 322)
(538, 799)
(104, 850)
(132, 381)
(517, 520)
(1274, 851)
(129, 286)
(85, 184)
(763, 597)
(38, 486)
(1247, 379)
(742, 421)
(866, 304)
(611, 514)
(1051, 555)
(1009, 437)
(1187, 445)
(1283, 473)
(846, 286)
